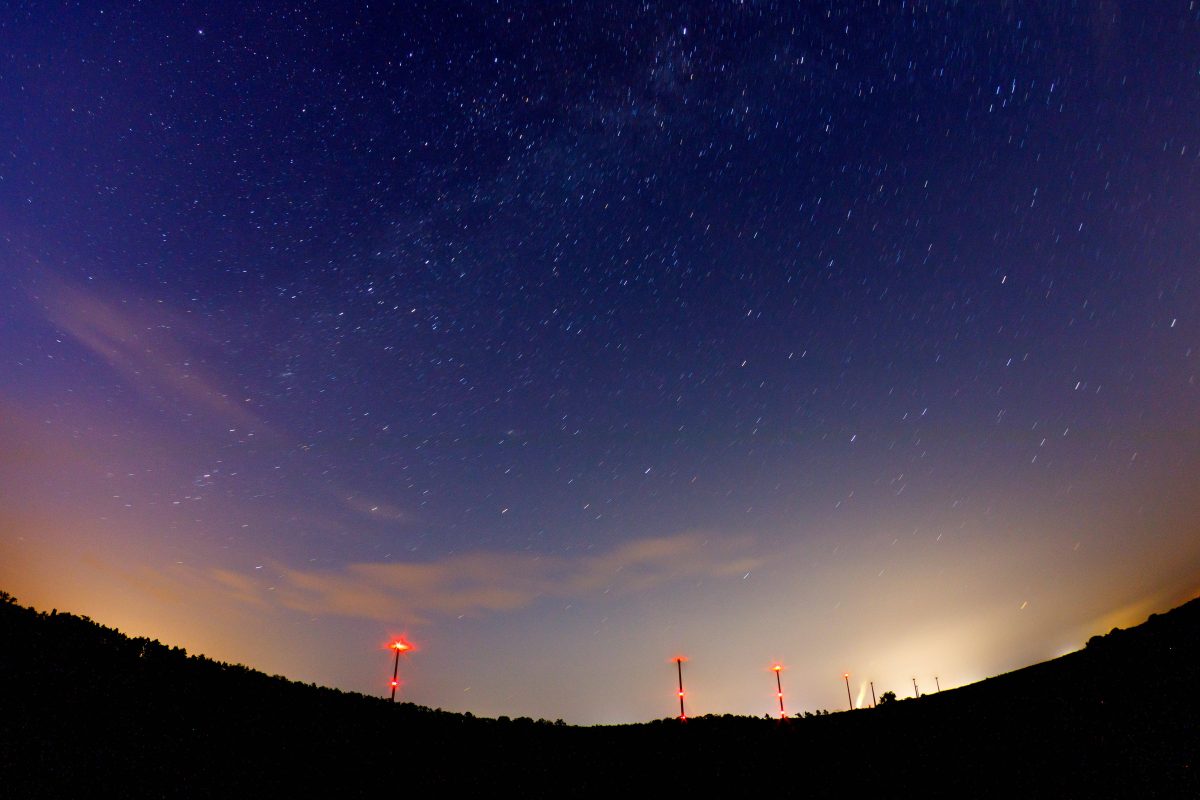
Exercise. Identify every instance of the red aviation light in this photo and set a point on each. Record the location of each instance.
(679, 670)
(399, 643)
(778, 667)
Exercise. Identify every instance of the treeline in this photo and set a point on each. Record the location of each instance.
(87, 710)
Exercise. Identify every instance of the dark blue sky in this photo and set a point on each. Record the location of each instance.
(583, 328)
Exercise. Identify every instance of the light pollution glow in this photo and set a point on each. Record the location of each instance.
(885, 599)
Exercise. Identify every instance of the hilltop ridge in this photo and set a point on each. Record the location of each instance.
(85, 705)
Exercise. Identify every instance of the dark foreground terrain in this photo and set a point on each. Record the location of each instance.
(86, 711)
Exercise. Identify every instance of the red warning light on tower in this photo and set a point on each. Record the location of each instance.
(778, 668)
(679, 670)
(398, 645)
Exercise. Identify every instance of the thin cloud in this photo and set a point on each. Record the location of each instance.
(152, 346)
(488, 582)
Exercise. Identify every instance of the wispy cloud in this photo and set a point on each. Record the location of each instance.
(154, 348)
(489, 582)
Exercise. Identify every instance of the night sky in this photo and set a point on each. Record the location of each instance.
(569, 337)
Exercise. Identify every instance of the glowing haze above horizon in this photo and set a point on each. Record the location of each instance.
(566, 338)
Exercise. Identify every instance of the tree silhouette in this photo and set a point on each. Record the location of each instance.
(887, 697)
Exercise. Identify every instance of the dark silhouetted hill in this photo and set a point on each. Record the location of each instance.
(87, 711)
